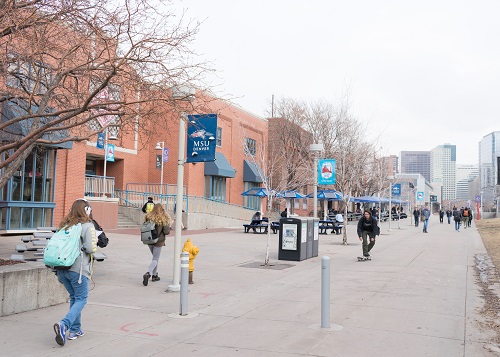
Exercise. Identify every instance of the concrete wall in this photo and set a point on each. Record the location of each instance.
(193, 221)
(28, 286)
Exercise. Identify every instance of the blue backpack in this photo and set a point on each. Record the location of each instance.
(63, 248)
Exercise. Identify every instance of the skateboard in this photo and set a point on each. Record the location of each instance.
(362, 259)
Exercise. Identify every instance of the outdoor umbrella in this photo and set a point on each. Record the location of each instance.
(259, 192)
(290, 195)
(326, 195)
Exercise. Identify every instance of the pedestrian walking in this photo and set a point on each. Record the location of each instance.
(75, 279)
(470, 217)
(441, 215)
(148, 206)
(162, 222)
(457, 217)
(465, 217)
(426, 214)
(449, 214)
(367, 230)
(416, 215)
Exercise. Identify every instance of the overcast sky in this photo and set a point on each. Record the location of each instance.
(419, 73)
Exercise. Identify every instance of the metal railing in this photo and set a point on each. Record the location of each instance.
(97, 186)
(192, 204)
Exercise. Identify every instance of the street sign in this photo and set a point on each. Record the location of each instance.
(396, 189)
(202, 137)
(478, 198)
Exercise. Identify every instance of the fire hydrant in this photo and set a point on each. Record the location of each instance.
(193, 251)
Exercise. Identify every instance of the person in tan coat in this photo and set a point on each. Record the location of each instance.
(162, 222)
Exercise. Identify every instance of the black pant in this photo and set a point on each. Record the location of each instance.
(367, 247)
(416, 221)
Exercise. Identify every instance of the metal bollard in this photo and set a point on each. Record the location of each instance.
(325, 292)
(184, 283)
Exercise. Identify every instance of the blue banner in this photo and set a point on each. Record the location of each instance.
(396, 189)
(420, 196)
(202, 137)
(326, 172)
(100, 140)
(165, 154)
(110, 153)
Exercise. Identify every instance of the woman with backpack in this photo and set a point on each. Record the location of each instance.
(75, 279)
(162, 222)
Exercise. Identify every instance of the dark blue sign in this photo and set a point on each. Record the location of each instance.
(396, 189)
(202, 137)
(100, 140)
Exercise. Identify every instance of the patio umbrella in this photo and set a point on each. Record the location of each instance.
(326, 195)
(290, 195)
(370, 199)
(259, 192)
(330, 195)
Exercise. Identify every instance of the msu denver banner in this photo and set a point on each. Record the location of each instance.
(326, 172)
(202, 137)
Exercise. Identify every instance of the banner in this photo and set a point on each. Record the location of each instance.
(326, 172)
(110, 153)
(100, 140)
(158, 162)
(202, 137)
(420, 196)
(396, 189)
(165, 154)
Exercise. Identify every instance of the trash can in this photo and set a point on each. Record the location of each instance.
(293, 238)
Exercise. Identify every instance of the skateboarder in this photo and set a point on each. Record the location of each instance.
(367, 229)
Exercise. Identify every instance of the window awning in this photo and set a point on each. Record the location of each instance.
(251, 172)
(219, 167)
(13, 109)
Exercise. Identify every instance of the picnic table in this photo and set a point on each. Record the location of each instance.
(257, 225)
(325, 225)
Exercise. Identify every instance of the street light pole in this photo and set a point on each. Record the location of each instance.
(316, 149)
(481, 206)
(181, 93)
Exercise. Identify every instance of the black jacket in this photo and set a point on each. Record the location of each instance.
(375, 228)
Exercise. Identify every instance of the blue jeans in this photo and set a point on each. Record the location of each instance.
(457, 225)
(78, 294)
(426, 223)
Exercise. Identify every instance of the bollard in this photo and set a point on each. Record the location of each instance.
(325, 292)
(184, 283)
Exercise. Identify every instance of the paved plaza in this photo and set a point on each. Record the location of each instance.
(419, 296)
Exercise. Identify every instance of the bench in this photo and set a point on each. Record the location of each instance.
(262, 228)
(336, 227)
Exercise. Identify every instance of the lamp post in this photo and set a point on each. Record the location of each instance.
(160, 145)
(481, 206)
(390, 200)
(106, 138)
(184, 94)
(316, 149)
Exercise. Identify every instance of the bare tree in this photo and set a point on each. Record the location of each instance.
(73, 68)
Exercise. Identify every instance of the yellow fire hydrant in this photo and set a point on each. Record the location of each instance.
(193, 251)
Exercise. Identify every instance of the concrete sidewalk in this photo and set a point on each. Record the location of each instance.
(419, 296)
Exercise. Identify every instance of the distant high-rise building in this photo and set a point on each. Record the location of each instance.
(416, 162)
(391, 163)
(465, 175)
(443, 169)
(489, 164)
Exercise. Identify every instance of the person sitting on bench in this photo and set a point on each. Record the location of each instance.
(256, 219)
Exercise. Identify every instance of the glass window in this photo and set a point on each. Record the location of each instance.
(26, 217)
(48, 213)
(219, 136)
(90, 166)
(250, 143)
(37, 217)
(215, 187)
(3, 218)
(15, 217)
(252, 202)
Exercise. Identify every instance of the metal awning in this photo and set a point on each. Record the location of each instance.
(219, 167)
(251, 172)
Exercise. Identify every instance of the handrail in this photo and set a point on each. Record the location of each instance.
(97, 186)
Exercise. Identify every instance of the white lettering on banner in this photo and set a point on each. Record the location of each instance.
(201, 143)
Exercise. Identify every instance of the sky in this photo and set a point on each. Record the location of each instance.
(418, 73)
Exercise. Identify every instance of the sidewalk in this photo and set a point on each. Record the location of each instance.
(418, 296)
